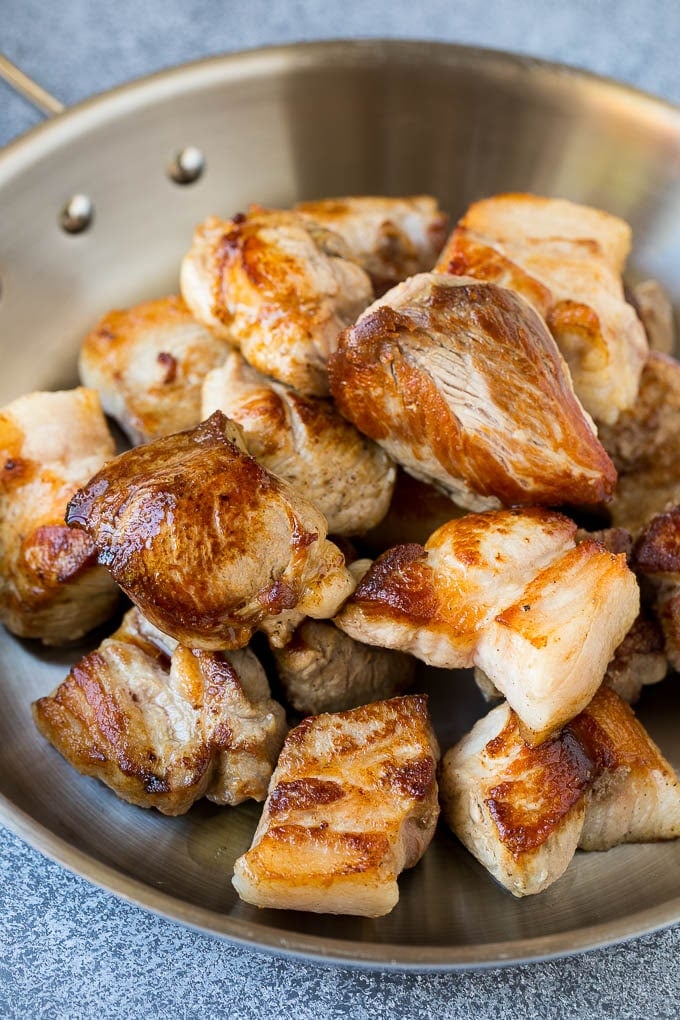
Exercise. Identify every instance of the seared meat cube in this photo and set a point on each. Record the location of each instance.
(391, 238)
(566, 260)
(164, 725)
(148, 363)
(305, 441)
(278, 287)
(353, 801)
(50, 585)
(463, 385)
(324, 670)
(207, 543)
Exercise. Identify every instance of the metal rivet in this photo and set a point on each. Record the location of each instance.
(77, 214)
(187, 166)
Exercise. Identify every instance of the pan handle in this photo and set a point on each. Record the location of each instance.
(35, 93)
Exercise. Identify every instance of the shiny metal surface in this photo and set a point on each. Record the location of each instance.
(275, 126)
(28, 88)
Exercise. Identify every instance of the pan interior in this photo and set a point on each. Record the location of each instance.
(274, 127)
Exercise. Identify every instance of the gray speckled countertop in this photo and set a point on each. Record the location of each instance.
(70, 950)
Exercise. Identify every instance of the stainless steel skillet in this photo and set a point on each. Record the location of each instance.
(274, 126)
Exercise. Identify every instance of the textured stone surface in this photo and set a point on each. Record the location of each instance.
(69, 950)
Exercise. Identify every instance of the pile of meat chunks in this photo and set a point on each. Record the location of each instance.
(446, 410)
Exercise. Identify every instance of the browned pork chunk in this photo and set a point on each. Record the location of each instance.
(645, 447)
(523, 811)
(148, 363)
(208, 544)
(50, 585)
(566, 260)
(323, 669)
(308, 443)
(656, 556)
(507, 591)
(353, 801)
(463, 385)
(279, 287)
(391, 238)
(164, 725)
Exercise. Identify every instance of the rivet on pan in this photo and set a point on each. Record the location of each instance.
(187, 166)
(77, 214)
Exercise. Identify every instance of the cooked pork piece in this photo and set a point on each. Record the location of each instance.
(305, 441)
(163, 725)
(208, 544)
(391, 238)
(324, 670)
(50, 585)
(279, 287)
(353, 801)
(506, 591)
(518, 809)
(548, 651)
(416, 510)
(434, 600)
(522, 811)
(644, 447)
(638, 661)
(656, 556)
(654, 307)
(148, 363)
(566, 260)
(463, 385)
(636, 796)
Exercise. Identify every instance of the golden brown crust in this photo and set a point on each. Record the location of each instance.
(163, 732)
(50, 585)
(566, 261)
(147, 363)
(277, 286)
(205, 541)
(657, 550)
(422, 378)
(539, 787)
(352, 802)
(522, 811)
(414, 596)
(506, 591)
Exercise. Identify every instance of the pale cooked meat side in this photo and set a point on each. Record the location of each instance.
(208, 544)
(522, 810)
(518, 809)
(323, 669)
(636, 795)
(163, 726)
(391, 238)
(279, 287)
(435, 600)
(50, 585)
(305, 441)
(148, 363)
(566, 260)
(352, 802)
(548, 651)
(644, 447)
(461, 382)
(638, 661)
